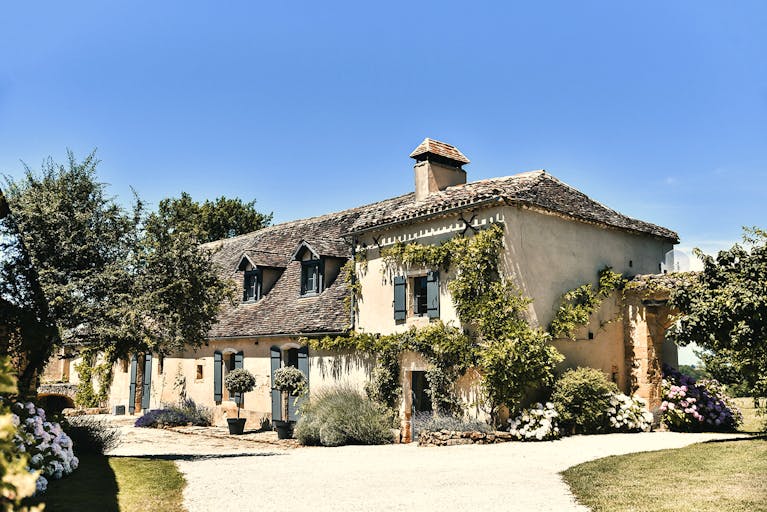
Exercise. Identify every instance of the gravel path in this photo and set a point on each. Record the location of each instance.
(227, 474)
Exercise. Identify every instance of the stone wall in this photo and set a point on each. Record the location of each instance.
(452, 437)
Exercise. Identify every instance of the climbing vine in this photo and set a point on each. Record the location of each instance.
(87, 370)
(578, 304)
(491, 309)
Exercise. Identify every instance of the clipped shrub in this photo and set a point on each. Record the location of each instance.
(91, 435)
(428, 422)
(342, 415)
(49, 448)
(694, 406)
(628, 414)
(537, 423)
(289, 379)
(186, 412)
(582, 398)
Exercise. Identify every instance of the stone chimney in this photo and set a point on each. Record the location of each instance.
(437, 166)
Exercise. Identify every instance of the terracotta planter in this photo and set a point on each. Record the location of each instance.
(236, 425)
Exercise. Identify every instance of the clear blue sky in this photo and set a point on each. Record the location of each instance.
(658, 109)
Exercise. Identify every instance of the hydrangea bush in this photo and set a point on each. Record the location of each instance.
(628, 414)
(690, 405)
(48, 447)
(538, 423)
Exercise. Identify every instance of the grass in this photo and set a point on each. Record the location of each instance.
(751, 421)
(113, 484)
(725, 476)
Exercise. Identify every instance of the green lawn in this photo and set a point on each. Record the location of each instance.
(751, 421)
(719, 477)
(112, 484)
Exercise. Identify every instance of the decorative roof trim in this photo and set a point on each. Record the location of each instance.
(303, 244)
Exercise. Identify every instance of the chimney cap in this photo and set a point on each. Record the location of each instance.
(440, 149)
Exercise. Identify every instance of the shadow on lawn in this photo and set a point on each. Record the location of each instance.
(93, 486)
(746, 437)
(190, 457)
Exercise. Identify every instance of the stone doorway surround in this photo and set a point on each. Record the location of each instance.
(647, 315)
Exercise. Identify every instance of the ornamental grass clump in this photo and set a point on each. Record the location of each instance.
(49, 448)
(628, 414)
(582, 399)
(185, 413)
(695, 406)
(538, 423)
(342, 415)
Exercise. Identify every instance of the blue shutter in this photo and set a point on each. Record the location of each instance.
(147, 386)
(303, 365)
(400, 308)
(218, 394)
(276, 357)
(132, 389)
(238, 358)
(432, 294)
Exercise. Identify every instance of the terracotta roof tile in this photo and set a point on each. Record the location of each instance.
(442, 149)
(283, 311)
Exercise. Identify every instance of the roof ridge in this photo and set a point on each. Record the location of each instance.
(305, 219)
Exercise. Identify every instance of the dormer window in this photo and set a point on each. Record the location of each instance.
(252, 286)
(310, 277)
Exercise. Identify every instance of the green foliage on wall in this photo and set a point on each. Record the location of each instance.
(512, 356)
(87, 371)
(579, 304)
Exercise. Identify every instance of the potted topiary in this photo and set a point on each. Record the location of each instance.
(239, 381)
(289, 381)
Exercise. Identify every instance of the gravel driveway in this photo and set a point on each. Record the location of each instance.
(227, 474)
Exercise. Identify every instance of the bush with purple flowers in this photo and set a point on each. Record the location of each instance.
(49, 448)
(690, 406)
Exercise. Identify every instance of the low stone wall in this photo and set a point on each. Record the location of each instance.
(452, 437)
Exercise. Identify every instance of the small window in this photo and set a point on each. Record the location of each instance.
(198, 376)
(252, 286)
(420, 303)
(310, 277)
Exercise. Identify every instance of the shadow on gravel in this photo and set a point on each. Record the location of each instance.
(194, 457)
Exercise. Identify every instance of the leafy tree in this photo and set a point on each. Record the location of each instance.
(725, 310)
(208, 221)
(695, 371)
(71, 254)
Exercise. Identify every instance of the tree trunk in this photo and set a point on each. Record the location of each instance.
(285, 412)
(139, 381)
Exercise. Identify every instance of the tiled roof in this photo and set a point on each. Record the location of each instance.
(442, 149)
(536, 189)
(335, 247)
(283, 311)
(265, 258)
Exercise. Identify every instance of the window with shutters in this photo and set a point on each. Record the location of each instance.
(416, 296)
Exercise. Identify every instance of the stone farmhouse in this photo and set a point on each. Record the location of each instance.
(293, 286)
